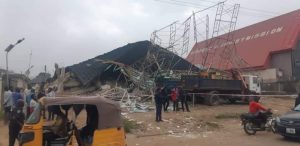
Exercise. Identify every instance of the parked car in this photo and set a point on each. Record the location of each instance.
(288, 125)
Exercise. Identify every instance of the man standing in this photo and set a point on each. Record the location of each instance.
(41, 94)
(183, 99)
(33, 102)
(166, 100)
(158, 104)
(50, 93)
(8, 103)
(16, 121)
(16, 96)
(28, 99)
(174, 95)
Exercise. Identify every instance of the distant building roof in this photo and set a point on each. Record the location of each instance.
(41, 78)
(18, 76)
(3, 72)
(254, 43)
(12, 75)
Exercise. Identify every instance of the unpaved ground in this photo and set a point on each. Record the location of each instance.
(229, 132)
(199, 127)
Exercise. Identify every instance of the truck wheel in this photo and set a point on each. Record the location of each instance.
(232, 101)
(212, 100)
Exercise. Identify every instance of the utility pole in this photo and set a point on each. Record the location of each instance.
(7, 50)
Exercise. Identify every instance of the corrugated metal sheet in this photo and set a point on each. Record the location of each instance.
(256, 42)
(87, 71)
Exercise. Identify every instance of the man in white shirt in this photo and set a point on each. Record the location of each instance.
(33, 104)
(50, 93)
(8, 103)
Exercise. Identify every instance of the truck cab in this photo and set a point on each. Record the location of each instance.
(253, 83)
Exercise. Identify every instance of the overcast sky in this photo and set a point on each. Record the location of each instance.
(70, 31)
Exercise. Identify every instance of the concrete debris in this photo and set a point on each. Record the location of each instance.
(134, 72)
(131, 102)
(124, 114)
(141, 122)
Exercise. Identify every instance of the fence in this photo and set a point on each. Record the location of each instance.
(197, 95)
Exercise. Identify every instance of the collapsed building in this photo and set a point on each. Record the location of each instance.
(39, 81)
(133, 66)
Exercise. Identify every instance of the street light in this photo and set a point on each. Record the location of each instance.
(8, 49)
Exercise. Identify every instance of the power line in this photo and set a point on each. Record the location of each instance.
(196, 5)
(178, 4)
(191, 3)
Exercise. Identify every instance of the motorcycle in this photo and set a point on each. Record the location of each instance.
(261, 122)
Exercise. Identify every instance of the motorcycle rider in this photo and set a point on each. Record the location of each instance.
(258, 110)
(255, 107)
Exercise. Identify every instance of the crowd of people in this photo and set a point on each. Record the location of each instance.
(18, 106)
(163, 96)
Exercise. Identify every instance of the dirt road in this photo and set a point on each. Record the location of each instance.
(3, 134)
(229, 136)
(199, 127)
(230, 132)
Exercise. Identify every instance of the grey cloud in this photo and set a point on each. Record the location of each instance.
(71, 31)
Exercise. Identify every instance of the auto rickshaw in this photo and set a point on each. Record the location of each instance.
(103, 123)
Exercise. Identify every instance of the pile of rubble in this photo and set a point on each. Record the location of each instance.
(133, 102)
(121, 75)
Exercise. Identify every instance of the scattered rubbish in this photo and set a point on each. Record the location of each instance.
(170, 132)
(124, 114)
(141, 122)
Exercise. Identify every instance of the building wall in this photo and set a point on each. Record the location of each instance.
(267, 75)
(271, 84)
(283, 62)
(296, 61)
(284, 87)
(281, 67)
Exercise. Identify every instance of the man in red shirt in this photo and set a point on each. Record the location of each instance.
(174, 98)
(255, 107)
